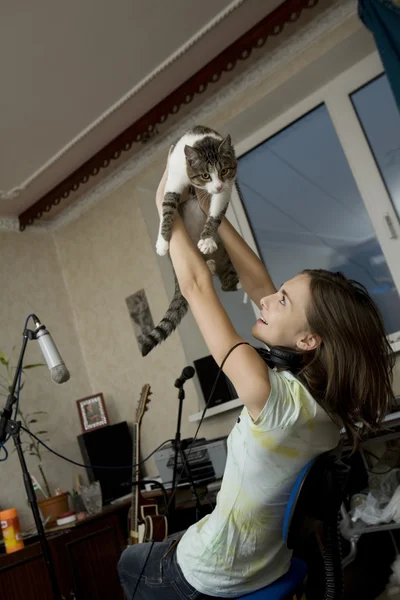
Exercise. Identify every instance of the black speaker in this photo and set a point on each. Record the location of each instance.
(108, 446)
(207, 371)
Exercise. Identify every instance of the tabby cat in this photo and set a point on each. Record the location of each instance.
(205, 160)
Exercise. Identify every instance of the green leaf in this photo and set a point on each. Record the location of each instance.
(41, 432)
(33, 366)
(3, 359)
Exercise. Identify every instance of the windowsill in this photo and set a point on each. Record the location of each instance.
(216, 410)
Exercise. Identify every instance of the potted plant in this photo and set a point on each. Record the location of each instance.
(51, 506)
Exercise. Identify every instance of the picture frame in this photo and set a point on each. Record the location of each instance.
(92, 412)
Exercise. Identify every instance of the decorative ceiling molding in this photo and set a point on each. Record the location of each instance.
(145, 128)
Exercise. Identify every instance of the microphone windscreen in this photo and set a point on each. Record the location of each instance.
(59, 374)
(188, 372)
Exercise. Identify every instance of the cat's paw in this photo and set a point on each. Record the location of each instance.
(207, 246)
(162, 246)
(212, 266)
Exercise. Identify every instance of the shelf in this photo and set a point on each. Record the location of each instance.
(216, 410)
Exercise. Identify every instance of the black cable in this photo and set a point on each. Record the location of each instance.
(94, 466)
(2, 447)
(186, 459)
(158, 483)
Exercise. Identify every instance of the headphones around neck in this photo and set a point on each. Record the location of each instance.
(282, 358)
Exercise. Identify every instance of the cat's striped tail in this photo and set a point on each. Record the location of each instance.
(174, 315)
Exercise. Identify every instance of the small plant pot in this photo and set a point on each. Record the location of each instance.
(54, 507)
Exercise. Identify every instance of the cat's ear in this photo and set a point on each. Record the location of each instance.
(226, 144)
(191, 154)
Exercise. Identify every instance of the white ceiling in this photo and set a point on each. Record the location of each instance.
(67, 65)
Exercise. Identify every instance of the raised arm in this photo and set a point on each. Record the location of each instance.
(253, 276)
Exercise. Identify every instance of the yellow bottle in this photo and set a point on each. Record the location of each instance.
(11, 530)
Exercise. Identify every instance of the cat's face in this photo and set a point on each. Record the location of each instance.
(211, 164)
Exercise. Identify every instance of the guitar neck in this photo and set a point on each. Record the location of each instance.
(135, 480)
(135, 529)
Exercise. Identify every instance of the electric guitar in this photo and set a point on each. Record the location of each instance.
(150, 525)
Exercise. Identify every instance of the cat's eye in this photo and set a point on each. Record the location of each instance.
(206, 176)
(224, 171)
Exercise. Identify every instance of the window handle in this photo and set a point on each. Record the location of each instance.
(390, 226)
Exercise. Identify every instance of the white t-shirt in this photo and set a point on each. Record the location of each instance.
(238, 548)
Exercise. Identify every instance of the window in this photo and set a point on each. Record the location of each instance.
(308, 201)
(379, 116)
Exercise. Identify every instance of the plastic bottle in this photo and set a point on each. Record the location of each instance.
(11, 530)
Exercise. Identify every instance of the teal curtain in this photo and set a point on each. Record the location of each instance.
(382, 18)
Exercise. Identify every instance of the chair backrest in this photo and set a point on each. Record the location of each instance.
(316, 497)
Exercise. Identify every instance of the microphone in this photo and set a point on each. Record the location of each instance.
(56, 365)
(187, 373)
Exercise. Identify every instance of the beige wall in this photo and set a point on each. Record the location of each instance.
(31, 281)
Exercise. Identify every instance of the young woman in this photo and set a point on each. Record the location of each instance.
(345, 382)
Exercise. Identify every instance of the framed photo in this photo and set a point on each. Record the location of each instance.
(92, 412)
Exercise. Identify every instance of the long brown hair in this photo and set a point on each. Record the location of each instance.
(350, 373)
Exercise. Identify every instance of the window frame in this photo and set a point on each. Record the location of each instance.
(336, 96)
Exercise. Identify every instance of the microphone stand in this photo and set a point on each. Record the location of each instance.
(179, 450)
(10, 427)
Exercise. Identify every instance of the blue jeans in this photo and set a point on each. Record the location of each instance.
(162, 578)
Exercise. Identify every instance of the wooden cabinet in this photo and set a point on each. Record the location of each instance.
(23, 575)
(92, 559)
(85, 558)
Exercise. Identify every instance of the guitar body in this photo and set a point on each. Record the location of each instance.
(150, 525)
(146, 525)
(156, 526)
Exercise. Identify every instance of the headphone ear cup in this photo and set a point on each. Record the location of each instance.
(285, 358)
